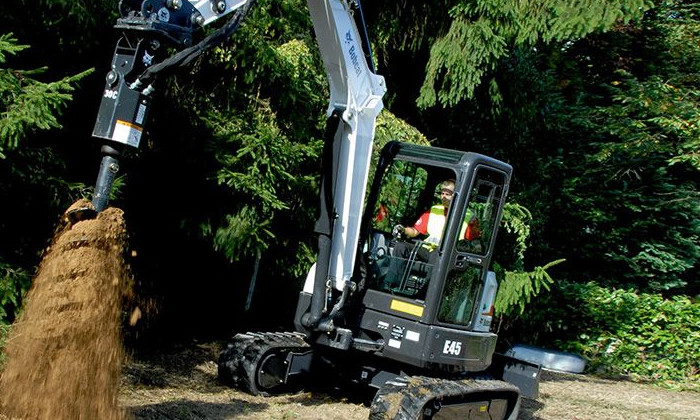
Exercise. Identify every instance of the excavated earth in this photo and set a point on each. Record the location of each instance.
(64, 353)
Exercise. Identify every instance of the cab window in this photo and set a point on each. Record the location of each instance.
(397, 264)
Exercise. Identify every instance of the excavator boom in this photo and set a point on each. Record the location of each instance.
(356, 97)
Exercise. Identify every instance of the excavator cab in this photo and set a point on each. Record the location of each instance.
(430, 302)
(409, 194)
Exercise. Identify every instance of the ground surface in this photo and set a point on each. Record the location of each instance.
(181, 384)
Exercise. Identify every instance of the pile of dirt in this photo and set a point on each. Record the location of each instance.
(64, 352)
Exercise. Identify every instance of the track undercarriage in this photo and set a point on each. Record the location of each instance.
(257, 362)
(270, 363)
(420, 397)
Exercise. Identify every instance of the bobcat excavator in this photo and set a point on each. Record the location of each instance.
(415, 329)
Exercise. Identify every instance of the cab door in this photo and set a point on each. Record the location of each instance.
(476, 225)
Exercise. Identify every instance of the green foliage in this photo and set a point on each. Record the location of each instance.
(82, 12)
(9, 46)
(262, 169)
(29, 175)
(460, 60)
(390, 127)
(244, 235)
(485, 31)
(31, 181)
(14, 283)
(646, 335)
(596, 111)
(516, 221)
(267, 117)
(27, 104)
(264, 111)
(654, 116)
(637, 188)
(517, 288)
(623, 332)
(71, 24)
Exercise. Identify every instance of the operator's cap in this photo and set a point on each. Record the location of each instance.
(448, 186)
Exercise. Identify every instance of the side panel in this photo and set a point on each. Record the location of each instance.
(465, 350)
(403, 339)
(408, 340)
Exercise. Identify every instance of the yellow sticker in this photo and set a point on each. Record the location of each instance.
(406, 307)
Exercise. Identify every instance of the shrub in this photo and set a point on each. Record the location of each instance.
(644, 334)
(622, 331)
(14, 283)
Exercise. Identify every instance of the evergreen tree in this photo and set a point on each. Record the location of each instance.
(27, 106)
(634, 196)
(483, 32)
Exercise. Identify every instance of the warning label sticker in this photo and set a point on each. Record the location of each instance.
(140, 114)
(127, 133)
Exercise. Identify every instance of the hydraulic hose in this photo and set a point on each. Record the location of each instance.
(186, 56)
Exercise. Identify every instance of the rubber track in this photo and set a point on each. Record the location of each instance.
(404, 398)
(238, 363)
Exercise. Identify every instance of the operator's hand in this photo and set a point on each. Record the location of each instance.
(398, 231)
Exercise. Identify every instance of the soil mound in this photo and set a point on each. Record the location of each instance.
(64, 352)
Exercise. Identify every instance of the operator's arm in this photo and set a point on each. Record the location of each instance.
(418, 228)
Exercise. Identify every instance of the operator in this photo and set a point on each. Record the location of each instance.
(432, 223)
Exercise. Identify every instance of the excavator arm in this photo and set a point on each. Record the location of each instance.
(355, 101)
(356, 98)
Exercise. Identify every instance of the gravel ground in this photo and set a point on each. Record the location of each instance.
(182, 384)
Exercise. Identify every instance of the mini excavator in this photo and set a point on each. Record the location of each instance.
(414, 330)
